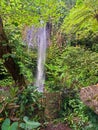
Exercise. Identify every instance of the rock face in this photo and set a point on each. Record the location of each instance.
(89, 96)
(52, 103)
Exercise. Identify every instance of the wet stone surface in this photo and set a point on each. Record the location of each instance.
(89, 96)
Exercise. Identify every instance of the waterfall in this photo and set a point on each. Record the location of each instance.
(39, 38)
(42, 44)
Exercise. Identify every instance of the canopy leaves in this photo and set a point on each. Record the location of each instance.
(83, 17)
(31, 11)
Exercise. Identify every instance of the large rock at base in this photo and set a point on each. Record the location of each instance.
(89, 96)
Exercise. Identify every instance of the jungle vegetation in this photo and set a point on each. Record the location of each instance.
(71, 62)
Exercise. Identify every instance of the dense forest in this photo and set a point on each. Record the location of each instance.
(49, 64)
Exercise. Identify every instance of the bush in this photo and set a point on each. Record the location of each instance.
(17, 104)
(74, 67)
(75, 113)
(73, 110)
(69, 70)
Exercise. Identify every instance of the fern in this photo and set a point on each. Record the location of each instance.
(82, 17)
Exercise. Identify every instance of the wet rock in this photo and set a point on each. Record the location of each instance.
(89, 96)
(52, 103)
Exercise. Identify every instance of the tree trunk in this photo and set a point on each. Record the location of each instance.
(9, 62)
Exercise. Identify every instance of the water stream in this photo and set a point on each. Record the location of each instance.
(40, 79)
(37, 37)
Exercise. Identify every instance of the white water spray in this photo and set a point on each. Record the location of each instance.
(39, 38)
(42, 45)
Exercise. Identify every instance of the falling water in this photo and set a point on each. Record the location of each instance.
(40, 79)
(39, 37)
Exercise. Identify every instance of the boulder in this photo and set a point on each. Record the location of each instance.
(89, 96)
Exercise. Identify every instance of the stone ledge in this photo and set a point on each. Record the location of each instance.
(89, 96)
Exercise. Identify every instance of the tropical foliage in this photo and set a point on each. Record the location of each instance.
(72, 68)
(82, 24)
(83, 17)
(71, 62)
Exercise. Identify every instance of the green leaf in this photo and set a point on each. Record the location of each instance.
(14, 126)
(22, 125)
(31, 124)
(6, 124)
(25, 118)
